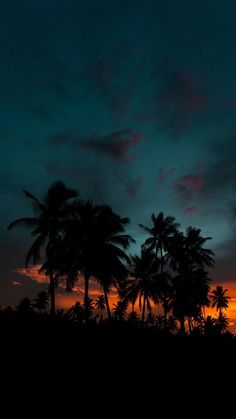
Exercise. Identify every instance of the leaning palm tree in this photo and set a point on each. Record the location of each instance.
(143, 285)
(47, 227)
(162, 230)
(100, 305)
(219, 298)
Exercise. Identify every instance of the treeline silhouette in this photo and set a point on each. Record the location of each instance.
(168, 280)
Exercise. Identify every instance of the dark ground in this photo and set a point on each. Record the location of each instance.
(59, 362)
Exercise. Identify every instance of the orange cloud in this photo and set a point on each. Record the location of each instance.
(33, 273)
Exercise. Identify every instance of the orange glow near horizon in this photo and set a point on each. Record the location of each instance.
(66, 299)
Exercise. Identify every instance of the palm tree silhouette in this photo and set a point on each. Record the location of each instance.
(120, 310)
(186, 252)
(133, 318)
(209, 326)
(77, 312)
(100, 305)
(151, 319)
(41, 301)
(222, 322)
(188, 257)
(160, 233)
(144, 284)
(97, 245)
(47, 227)
(25, 306)
(90, 308)
(219, 298)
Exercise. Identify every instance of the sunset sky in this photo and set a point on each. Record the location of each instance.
(131, 102)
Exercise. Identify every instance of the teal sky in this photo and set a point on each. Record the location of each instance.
(133, 103)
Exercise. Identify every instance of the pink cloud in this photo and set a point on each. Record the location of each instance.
(116, 145)
(16, 283)
(189, 185)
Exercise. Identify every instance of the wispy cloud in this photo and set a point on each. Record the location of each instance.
(117, 145)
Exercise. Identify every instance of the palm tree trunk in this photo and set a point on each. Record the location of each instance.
(182, 327)
(164, 292)
(86, 297)
(107, 303)
(143, 311)
(190, 326)
(52, 294)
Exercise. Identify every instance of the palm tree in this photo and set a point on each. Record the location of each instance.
(219, 299)
(133, 318)
(188, 257)
(209, 326)
(222, 322)
(47, 227)
(172, 324)
(41, 301)
(186, 252)
(163, 229)
(197, 254)
(77, 312)
(24, 306)
(143, 285)
(90, 309)
(151, 319)
(120, 310)
(97, 246)
(100, 305)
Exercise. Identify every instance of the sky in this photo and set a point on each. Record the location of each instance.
(130, 102)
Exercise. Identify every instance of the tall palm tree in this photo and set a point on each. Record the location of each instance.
(100, 305)
(143, 286)
(163, 229)
(97, 246)
(188, 257)
(110, 258)
(219, 298)
(47, 226)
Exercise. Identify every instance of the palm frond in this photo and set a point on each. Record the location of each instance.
(34, 252)
(22, 222)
